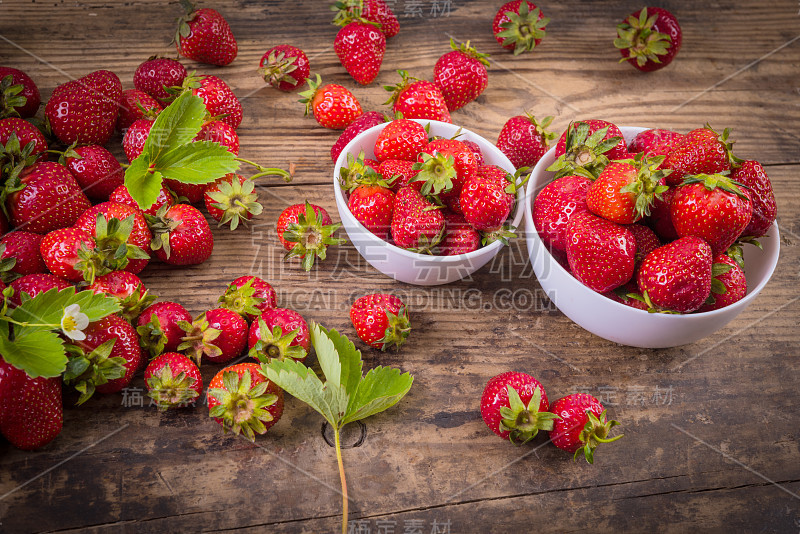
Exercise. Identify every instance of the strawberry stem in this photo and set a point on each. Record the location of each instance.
(338, 444)
(269, 171)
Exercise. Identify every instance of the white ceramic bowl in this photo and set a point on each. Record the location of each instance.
(400, 264)
(618, 322)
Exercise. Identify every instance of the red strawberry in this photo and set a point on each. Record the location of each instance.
(625, 190)
(417, 99)
(752, 175)
(581, 425)
(380, 320)
(358, 171)
(629, 294)
(159, 329)
(655, 142)
(205, 36)
(401, 139)
(249, 296)
(96, 170)
(435, 169)
(519, 26)
(376, 11)
(646, 240)
(33, 284)
(134, 105)
(601, 253)
(157, 74)
(372, 206)
(649, 39)
(219, 334)
(220, 132)
(476, 149)
(515, 407)
(677, 276)
(31, 411)
(399, 173)
(12, 92)
(728, 284)
(139, 236)
(243, 401)
(173, 381)
(461, 75)
(360, 47)
(460, 237)
(524, 140)
(85, 110)
(25, 133)
(553, 207)
(712, 208)
(361, 124)
(279, 333)
(284, 67)
(128, 289)
(486, 201)
(23, 247)
(135, 137)
(65, 251)
(702, 151)
(306, 230)
(181, 236)
(49, 198)
(232, 199)
(121, 195)
(660, 219)
(586, 147)
(416, 223)
(219, 99)
(191, 193)
(333, 106)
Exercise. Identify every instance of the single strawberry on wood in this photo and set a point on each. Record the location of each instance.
(649, 39)
(205, 36)
(514, 406)
(581, 425)
(332, 105)
(461, 75)
(306, 231)
(285, 67)
(519, 26)
(360, 47)
(381, 320)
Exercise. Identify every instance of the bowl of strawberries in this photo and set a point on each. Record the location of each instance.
(645, 237)
(426, 202)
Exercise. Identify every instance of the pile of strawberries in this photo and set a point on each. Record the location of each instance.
(658, 224)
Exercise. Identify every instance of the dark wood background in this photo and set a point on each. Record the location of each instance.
(711, 429)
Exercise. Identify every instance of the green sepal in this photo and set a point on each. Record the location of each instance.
(524, 422)
(242, 299)
(398, 330)
(11, 97)
(87, 371)
(242, 407)
(470, 51)
(274, 344)
(358, 173)
(307, 96)
(169, 390)
(523, 29)
(152, 337)
(238, 202)
(584, 153)
(718, 180)
(594, 433)
(311, 238)
(198, 339)
(636, 35)
(503, 234)
(437, 171)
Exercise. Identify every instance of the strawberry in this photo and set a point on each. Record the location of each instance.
(376, 11)
(157, 74)
(31, 411)
(487, 200)
(601, 253)
(46, 198)
(23, 248)
(553, 207)
(85, 110)
(360, 47)
(361, 124)
(358, 171)
(524, 140)
(417, 225)
(219, 99)
(159, 328)
(191, 193)
(380, 320)
(514, 406)
(461, 75)
(110, 237)
(284, 67)
(445, 165)
(628, 294)
(459, 237)
(519, 26)
(649, 39)
(417, 99)
(19, 95)
(25, 133)
(580, 425)
(122, 196)
(677, 276)
(135, 137)
(728, 284)
(134, 105)
(476, 149)
(333, 106)
(232, 199)
(655, 142)
(220, 132)
(711, 207)
(173, 381)
(249, 296)
(399, 173)
(702, 151)
(279, 333)
(306, 231)
(646, 240)
(129, 291)
(243, 401)
(205, 36)
(372, 206)
(752, 175)
(181, 235)
(625, 189)
(96, 170)
(401, 139)
(33, 284)
(660, 219)
(219, 334)
(586, 147)
(65, 252)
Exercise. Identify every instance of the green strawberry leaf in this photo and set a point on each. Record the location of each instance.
(143, 183)
(48, 307)
(303, 384)
(176, 125)
(38, 352)
(380, 389)
(200, 162)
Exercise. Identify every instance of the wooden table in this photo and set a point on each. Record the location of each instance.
(711, 429)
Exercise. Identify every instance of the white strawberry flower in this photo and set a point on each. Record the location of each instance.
(74, 322)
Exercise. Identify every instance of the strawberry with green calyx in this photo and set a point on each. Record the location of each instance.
(219, 335)
(159, 327)
(677, 276)
(181, 235)
(360, 46)
(346, 396)
(436, 172)
(524, 139)
(332, 105)
(21, 145)
(128, 289)
(381, 320)
(399, 173)
(586, 147)
(461, 75)
(702, 151)
(19, 96)
(463, 162)
(232, 200)
(629, 295)
(31, 409)
(155, 75)
(173, 381)
(220, 101)
(284, 67)
(649, 39)
(413, 98)
(375, 11)
(358, 172)
(519, 26)
(205, 36)
(514, 406)
(581, 425)
(121, 235)
(279, 333)
(243, 401)
(417, 223)
(728, 284)
(87, 370)
(306, 231)
(67, 253)
(249, 296)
